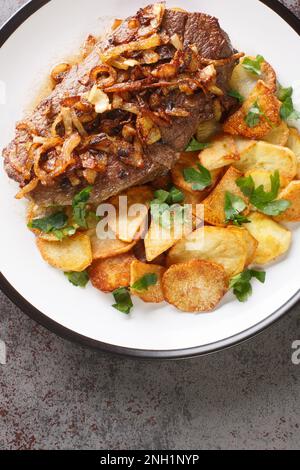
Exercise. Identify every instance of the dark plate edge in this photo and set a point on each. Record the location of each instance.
(5, 32)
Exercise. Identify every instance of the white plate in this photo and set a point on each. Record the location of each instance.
(50, 34)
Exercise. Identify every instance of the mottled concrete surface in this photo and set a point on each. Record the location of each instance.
(56, 395)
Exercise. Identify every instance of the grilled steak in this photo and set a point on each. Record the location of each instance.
(174, 104)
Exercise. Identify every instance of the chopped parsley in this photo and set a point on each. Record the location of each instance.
(199, 179)
(253, 65)
(78, 279)
(241, 284)
(194, 146)
(123, 300)
(265, 202)
(145, 282)
(234, 206)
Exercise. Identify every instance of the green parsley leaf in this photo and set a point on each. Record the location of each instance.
(145, 282)
(78, 279)
(235, 94)
(198, 179)
(253, 117)
(253, 65)
(165, 208)
(123, 300)
(265, 202)
(173, 196)
(194, 146)
(234, 205)
(65, 232)
(241, 284)
(48, 224)
(287, 110)
(284, 93)
(176, 196)
(80, 207)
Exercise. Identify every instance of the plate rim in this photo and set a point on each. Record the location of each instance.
(6, 32)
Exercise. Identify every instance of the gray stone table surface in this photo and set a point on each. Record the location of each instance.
(57, 395)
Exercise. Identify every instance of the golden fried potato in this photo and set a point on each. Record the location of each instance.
(279, 135)
(109, 274)
(195, 286)
(221, 153)
(214, 204)
(215, 244)
(243, 145)
(291, 193)
(195, 200)
(160, 239)
(131, 215)
(109, 247)
(71, 254)
(244, 81)
(268, 157)
(273, 239)
(154, 293)
(268, 104)
(293, 143)
(190, 160)
(249, 242)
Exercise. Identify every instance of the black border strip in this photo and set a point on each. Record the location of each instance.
(5, 32)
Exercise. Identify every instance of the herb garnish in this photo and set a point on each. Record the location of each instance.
(234, 206)
(265, 202)
(123, 300)
(241, 284)
(254, 115)
(199, 179)
(79, 205)
(194, 146)
(145, 282)
(253, 65)
(165, 208)
(78, 279)
(56, 223)
(287, 110)
(235, 94)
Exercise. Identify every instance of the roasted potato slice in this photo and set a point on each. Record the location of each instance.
(279, 135)
(268, 157)
(249, 242)
(71, 254)
(109, 274)
(291, 193)
(131, 216)
(269, 106)
(244, 81)
(293, 143)
(108, 247)
(195, 200)
(222, 152)
(154, 293)
(214, 204)
(190, 160)
(215, 244)
(159, 239)
(195, 286)
(273, 239)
